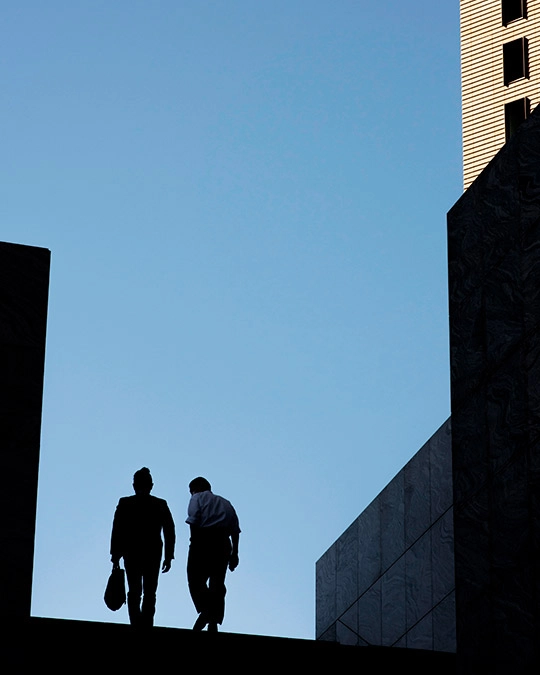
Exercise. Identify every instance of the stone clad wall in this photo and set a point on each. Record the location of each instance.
(494, 290)
(389, 578)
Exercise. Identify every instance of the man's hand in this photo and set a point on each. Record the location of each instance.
(166, 565)
(233, 561)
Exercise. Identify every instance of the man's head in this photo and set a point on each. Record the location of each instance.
(142, 481)
(199, 484)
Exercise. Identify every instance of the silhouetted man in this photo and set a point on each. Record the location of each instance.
(138, 523)
(215, 533)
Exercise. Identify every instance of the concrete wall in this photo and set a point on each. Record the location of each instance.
(389, 579)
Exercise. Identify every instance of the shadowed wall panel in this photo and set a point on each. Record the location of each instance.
(494, 282)
(24, 284)
(389, 579)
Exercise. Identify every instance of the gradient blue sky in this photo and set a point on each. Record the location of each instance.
(246, 207)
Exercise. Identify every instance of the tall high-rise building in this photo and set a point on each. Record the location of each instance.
(500, 75)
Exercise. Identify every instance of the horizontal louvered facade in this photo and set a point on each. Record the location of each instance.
(484, 92)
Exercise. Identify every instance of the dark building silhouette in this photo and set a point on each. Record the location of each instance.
(368, 583)
(24, 287)
(494, 292)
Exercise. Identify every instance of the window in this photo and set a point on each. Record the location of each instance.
(515, 113)
(516, 60)
(512, 10)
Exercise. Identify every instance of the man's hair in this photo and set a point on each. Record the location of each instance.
(199, 484)
(142, 479)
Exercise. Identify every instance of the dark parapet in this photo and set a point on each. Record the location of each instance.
(104, 647)
(24, 286)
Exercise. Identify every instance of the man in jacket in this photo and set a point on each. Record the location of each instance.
(138, 523)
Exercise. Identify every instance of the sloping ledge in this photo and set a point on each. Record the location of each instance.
(78, 646)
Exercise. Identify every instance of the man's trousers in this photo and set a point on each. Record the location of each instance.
(209, 553)
(142, 574)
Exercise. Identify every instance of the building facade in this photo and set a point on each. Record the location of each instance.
(388, 580)
(494, 316)
(493, 527)
(500, 75)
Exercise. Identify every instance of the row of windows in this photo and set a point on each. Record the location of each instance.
(515, 65)
(516, 52)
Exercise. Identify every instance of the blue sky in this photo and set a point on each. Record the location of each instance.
(246, 208)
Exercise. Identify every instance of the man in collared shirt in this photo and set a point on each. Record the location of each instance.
(213, 547)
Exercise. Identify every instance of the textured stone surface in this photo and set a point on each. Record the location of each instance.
(418, 580)
(347, 568)
(442, 557)
(369, 607)
(440, 472)
(444, 624)
(389, 579)
(369, 546)
(494, 299)
(392, 508)
(326, 592)
(416, 476)
(393, 603)
(420, 635)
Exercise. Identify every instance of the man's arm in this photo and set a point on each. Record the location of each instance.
(117, 536)
(233, 560)
(170, 539)
(235, 537)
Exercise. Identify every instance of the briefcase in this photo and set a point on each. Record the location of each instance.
(115, 593)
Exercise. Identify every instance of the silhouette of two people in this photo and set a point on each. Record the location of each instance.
(138, 525)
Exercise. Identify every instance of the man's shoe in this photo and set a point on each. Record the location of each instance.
(212, 627)
(201, 622)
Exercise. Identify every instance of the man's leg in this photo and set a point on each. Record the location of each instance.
(134, 579)
(216, 583)
(197, 575)
(150, 583)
